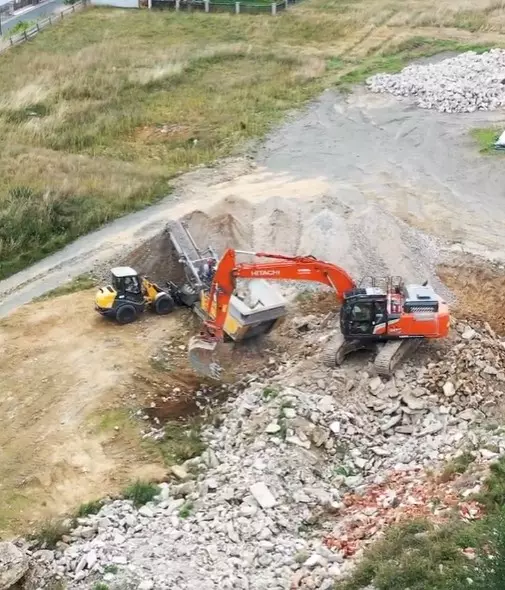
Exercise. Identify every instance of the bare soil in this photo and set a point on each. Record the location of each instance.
(478, 286)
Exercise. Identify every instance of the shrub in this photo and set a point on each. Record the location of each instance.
(141, 492)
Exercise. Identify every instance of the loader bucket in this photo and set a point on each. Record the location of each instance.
(201, 357)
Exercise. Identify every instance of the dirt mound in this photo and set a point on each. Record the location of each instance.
(221, 230)
(365, 242)
(157, 259)
(478, 287)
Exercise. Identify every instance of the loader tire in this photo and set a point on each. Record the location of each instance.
(126, 314)
(164, 305)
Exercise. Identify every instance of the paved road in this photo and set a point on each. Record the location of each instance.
(36, 13)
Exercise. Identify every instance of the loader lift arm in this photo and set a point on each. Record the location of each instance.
(280, 267)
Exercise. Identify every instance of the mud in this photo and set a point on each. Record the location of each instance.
(366, 181)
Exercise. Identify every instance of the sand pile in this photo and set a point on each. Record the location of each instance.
(368, 242)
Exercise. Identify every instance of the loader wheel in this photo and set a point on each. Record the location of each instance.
(164, 305)
(126, 314)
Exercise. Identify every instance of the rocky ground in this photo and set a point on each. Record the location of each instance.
(304, 466)
(461, 84)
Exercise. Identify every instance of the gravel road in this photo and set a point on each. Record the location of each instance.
(366, 154)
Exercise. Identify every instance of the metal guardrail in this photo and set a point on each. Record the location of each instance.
(236, 7)
(27, 34)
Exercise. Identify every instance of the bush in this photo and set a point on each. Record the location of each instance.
(141, 492)
(22, 26)
(88, 508)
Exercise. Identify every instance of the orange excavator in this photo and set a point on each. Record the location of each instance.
(392, 318)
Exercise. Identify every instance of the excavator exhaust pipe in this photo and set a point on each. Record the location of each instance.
(201, 357)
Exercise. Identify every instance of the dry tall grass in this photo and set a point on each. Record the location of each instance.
(100, 111)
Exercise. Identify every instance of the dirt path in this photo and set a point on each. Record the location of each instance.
(365, 154)
(65, 372)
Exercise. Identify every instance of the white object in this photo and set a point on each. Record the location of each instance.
(123, 271)
(500, 142)
(262, 495)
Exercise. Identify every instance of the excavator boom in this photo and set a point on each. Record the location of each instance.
(278, 267)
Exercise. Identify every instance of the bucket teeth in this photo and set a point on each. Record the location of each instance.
(200, 354)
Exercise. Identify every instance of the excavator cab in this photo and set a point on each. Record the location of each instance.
(361, 314)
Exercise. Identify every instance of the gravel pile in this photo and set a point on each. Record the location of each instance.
(298, 461)
(463, 84)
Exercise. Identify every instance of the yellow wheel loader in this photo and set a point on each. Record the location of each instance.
(128, 295)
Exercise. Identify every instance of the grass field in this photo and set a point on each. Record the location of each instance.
(98, 113)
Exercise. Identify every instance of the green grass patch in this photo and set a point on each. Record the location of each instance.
(156, 94)
(186, 509)
(182, 441)
(141, 492)
(419, 555)
(88, 508)
(21, 27)
(79, 283)
(416, 555)
(485, 138)
(113, 419)
(456, 466)
(270, 393)
(493, 492)
(49, 533)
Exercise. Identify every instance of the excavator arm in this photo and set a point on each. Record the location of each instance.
(278, 268)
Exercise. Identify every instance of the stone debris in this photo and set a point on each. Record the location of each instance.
(400, 495)
(13, 565)
(287, 499)
(262, 495)
(461, 84)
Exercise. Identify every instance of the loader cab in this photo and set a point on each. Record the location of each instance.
(361, 312)
(126, 282)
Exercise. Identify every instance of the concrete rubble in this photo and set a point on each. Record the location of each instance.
(13, 564)
(461, 84)
(293, 506)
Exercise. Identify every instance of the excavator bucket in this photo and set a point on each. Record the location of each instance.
(201, 357)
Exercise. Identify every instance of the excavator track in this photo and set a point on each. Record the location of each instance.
(338, 348)
(392, 352)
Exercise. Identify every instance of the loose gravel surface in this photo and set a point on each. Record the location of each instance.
(462, 84)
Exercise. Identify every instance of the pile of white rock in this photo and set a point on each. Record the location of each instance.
(462, 84)
(253, 511)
